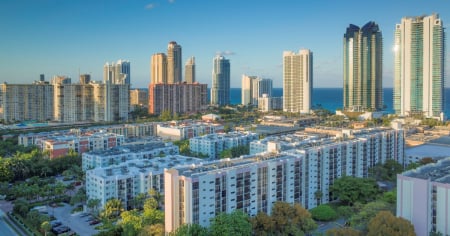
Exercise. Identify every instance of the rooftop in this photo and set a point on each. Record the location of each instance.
(437, 172)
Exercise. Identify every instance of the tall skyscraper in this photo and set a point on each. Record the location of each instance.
(159, 69)
(297, 81)
(117, 73)
(419, 66)
(189, 71)
(174, 65)
(246, 89)
(220, 90)
(363, 60)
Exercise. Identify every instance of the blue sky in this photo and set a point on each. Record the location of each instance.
(63, 37)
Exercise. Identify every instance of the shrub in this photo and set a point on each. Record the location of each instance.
(323, 213)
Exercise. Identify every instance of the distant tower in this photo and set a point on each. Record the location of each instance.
(189, 71)
(174, 65)
(117, 73)
(419, 66)
(247, 89)
(297, 81)
(220, 90)
(363, 61)
(260, 87)
(159, 69)
(41, 77)
(85, 78)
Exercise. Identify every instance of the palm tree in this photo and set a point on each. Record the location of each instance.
(46, 227)
(113, 208)
(93, 205)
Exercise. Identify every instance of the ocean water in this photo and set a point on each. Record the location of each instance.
(331, 98)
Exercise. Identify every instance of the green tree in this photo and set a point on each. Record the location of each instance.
(384, 223)
(235, 223)
(225, 154)
(131, 222)
(370, 210)
(153, 230)
(343, 232)
(166, 116)
(46, 227)
(263, 224)
(323, 213)
(191, 230)
(291, 219)
(93, 205)
(21, 207)
(350, 189)
(151, 214)
(112, 209)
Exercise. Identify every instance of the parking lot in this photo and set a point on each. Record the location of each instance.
(77, 222)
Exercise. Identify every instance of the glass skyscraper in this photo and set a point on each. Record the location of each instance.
(419, 66)
(220, 90)
(363, 60)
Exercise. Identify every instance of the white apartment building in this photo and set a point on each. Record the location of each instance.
(121, 154)
(423, 197)
(253, 88)
(186, 129)
(197, 193)
(213, 144)
(127, 180)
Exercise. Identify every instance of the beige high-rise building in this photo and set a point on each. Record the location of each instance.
(189, 71)
(174, 65)
(297, 81)
(138, 98)
(20, 102)
(117, 73)
(159, 68)
(246, 89)
(177, 98)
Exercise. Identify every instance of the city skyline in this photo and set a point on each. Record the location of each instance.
(72, 38)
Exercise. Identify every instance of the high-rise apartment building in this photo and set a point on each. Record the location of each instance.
(177, 98)
(419, 66)
(363, 60)
(117, 73)
(158, 67)
(297, 81)
(220, 90)
(174, 65)
(189, 71)
(253, 88)
(246, 89)
(19, 102)
(138, 98)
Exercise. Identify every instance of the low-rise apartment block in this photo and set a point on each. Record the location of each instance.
(127, 180)
(186, 129)
(197, 193)
(423, 197)
(120, 154)
(213, 144)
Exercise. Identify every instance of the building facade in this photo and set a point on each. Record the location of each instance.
(174, 66)
(158, 68)
(138, 98)
(423, 197)
(247, 89)
(213, 144)
(197, 193)
(297, 81)
(266, 103)
(117, 73)
(189, 71)
(419, 66)
(127, 180)
(20, 102)
(178, 98)
(186, 129)
(363, 62)
(220, 89)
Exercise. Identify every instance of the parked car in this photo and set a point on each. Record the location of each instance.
(94, 222)
(55, 223)
(84, 214)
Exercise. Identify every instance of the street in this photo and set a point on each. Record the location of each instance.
(4, 227)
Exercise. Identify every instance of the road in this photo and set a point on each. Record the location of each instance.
(5, 229)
